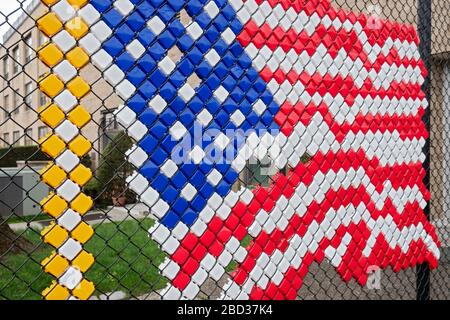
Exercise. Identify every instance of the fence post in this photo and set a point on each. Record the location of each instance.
(424, 27)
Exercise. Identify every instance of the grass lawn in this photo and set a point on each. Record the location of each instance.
(126, 259)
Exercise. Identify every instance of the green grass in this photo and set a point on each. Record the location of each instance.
(17, 219)
(126, 259)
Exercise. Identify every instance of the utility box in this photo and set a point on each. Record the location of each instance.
(21, 191)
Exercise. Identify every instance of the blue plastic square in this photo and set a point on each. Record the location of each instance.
(189, 217)
(168, 92)
(146, 37)
(125, 61)
(112, 18)
(180, 206)
(146, 10)
(185, 43)
(167, 40)
(158, 130)
(195, 105)
(147, 90)
(187, 118)
(177, 79)
(195, 56)
(125, 34)
(166, 13)
(148, 117)
(204, 70)
(149, 170)
(170, 220)
(113, 47)
(135, 21)
(168, 117)
(156, 51)
(179, 180)
(198, 203)
(170, 194)
(101, 5)
(185, 67)
(147, 63)
(136, 76)
(168, 144)
(206, 191)
(157, 78)
(148, 144)
(177, 104)
(160, 183)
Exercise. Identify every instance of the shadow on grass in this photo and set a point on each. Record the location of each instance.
(126, 260)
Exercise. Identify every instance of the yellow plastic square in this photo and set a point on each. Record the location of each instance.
(50, 55)
(49, 2)
(54, 205)
(83, 261)
(77, 57)
(82, 233)
(53, 175)
(78, 87)
(77, 3)
(82, 203)
(80, 146)
(52, 145)
(51, 85)
(49, 24)
(55, 265)
(84, 290)
(51, 115)
(54, 235)
(81, 175)
(77, 28)
(56, 292)
(79, 116)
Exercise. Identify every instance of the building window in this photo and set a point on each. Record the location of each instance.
(16, 57)
(42, 132)
(6, 106)
(28, 48)
(28, 94)
(6, 68)
(16, 104)
(42, 99)
(16, 138)
(6, 139)
(29, 137)
(42, 39)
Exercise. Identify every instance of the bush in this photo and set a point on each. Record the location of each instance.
(112, 172)
(9, 156)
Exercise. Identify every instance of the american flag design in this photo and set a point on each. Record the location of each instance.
(306, 79)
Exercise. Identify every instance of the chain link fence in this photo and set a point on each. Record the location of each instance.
(213, 149)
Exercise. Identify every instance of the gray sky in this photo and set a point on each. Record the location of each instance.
(7, 7)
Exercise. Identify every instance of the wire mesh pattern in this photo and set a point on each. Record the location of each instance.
(213, 149)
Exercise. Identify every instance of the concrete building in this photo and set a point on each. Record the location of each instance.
(20, 98)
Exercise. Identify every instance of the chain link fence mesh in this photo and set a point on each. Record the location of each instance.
(322, 73)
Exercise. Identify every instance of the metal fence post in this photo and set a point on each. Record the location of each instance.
(424, 28)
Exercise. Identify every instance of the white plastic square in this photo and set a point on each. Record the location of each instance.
(156, 25)
(89, 14)
(125, 116)
(64, 10)
(66, 101)
(178, 131)
(102, 60)
(150, 196)
(101, 31)
(221, 94)
(204, 117)
(170, 245)
(188, 192)
(259, 107)
(170, 270)
(194, 30)
(90, 44)
(114, 75)
(137, 131)
(197, 154)
(211, 9)
(166, 65)
(160, 208)
(68, 161)
(186, 92)
(65, 71)
(71, 278)
(69, 220)
(70, 249)
(136, 49)
(169, 168)
(68, 190)
(237, 117)
(126, 89)
(67, 131)
(221, 141)
(136, 156)
(137, 183)
(214, 177)
(64, 41)
(124, 6)
(158, 104)
(228, 36)
(212, 57)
